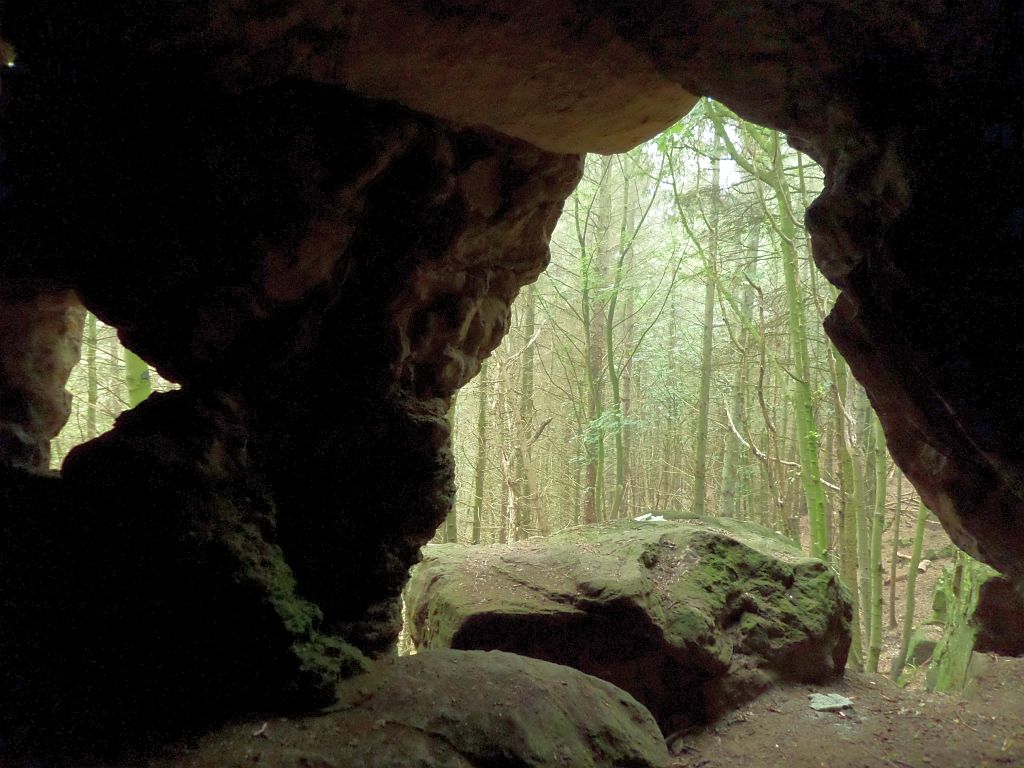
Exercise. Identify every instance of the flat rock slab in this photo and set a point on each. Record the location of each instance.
(690, 618)
(451, 709)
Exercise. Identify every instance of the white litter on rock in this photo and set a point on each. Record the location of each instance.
(829, 702)
(649, 518)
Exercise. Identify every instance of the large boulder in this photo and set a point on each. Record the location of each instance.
(690, 618)
(448, 709)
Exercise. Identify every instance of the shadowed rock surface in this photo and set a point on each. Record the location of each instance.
(690, 618)
(999, 617)
(145, 595)
(450, 709)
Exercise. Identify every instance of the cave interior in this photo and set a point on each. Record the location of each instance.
(314, 217)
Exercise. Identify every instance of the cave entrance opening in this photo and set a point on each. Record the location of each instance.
(671, 362)
(659, 363)
(108, 380)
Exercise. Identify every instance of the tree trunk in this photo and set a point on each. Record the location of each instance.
(526, 498)
(731, 475)
(908, 613)
(668, 481)
(807, 435)
(91, 343)
(850, 504)
(593, 269)
(504, 436)
(450, 529)
(700, 461)
(480, 470)
(877, 526)
(895, 549)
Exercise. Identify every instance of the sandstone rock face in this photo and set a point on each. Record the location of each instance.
(451, 60)
(40, 342)
(448, 709)
(690, 618)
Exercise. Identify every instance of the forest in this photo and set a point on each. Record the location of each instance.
(670, 362)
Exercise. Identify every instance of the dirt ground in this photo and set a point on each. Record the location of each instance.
(887, 727)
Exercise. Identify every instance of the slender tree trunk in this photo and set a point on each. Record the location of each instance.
(877, 526)
(614, 378)
(629, 481)
(579, 456)
(480, 470)
(527, 502)
(908, 613)
(863, 529)
(807, 434)
(731, 473)
(850, 504)
(91, 343)
(113, 401)
(700, 467)
(504, 436)
(593, 270)
(668, 480)
(450, 530)
(866, 422)
(895, 549)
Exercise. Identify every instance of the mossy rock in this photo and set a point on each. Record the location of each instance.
(689, 617)
(982, 611)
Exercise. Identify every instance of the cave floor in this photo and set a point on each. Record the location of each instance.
(887, 727)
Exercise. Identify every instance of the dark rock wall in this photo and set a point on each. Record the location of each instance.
(40, 342)
(320, 273)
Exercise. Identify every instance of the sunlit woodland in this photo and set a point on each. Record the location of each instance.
(670, 361)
